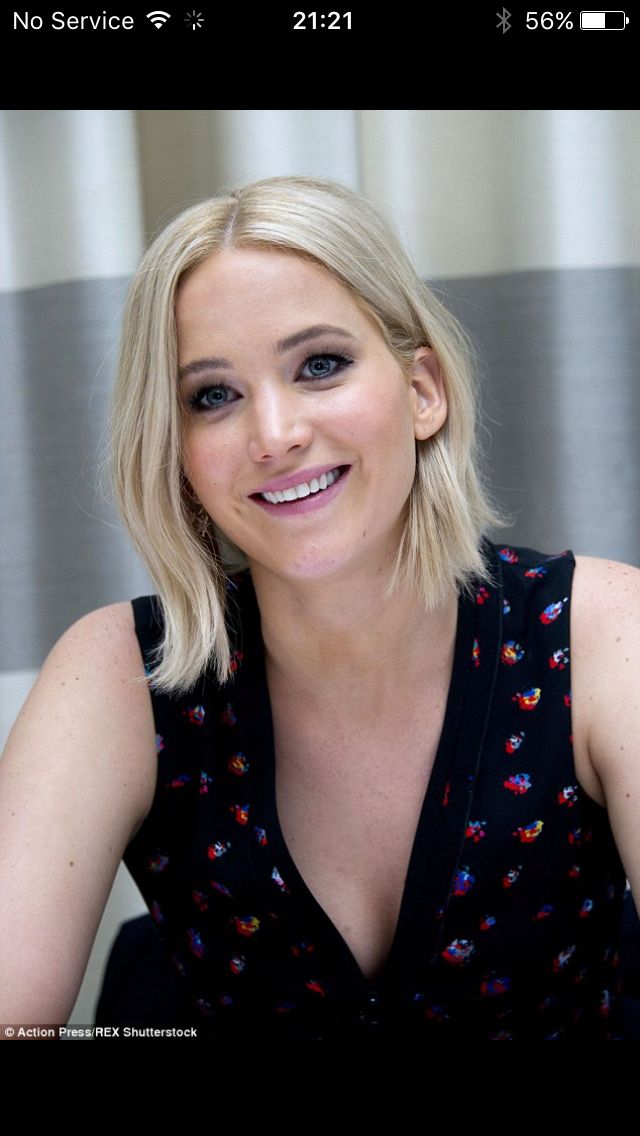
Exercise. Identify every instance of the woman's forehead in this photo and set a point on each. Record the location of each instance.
(253, 267)
(255, 287)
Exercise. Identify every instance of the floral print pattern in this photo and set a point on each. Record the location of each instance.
(509, 920)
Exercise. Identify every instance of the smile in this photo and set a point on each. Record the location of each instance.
(306, 496)
(304, 489)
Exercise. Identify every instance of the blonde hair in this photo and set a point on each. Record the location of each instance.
(448, 509)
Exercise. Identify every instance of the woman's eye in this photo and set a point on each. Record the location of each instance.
(324, 366)
(212, 398)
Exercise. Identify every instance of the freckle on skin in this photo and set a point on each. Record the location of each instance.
(71, 863)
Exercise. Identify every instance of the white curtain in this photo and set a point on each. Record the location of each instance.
(527, 222)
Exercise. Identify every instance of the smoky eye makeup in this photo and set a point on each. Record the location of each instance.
(339, 363)
(316, 367)
(213, 396)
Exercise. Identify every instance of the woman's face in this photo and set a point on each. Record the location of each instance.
(289, 390)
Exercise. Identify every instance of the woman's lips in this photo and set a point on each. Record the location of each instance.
(297, 478)
(309, 503)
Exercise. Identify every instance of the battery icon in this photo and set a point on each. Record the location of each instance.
(603, 21)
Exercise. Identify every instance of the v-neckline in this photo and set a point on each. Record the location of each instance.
(443, 817)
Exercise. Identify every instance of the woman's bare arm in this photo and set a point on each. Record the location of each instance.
(606, 706)
(76, 780)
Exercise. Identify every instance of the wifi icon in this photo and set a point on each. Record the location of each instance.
(158, 19)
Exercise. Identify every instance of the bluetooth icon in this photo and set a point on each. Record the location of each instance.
(503, 20)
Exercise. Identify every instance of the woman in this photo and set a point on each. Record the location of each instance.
(355, 783)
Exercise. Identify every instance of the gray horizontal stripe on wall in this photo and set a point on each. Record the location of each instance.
(558, 354)
(561, 395)
(63, 550)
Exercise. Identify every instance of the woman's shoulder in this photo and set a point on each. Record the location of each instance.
(605, 654)
(605, 627)
(92, 692)
(605, 622)
(101, 652)
(108, 636)
(605, 630)
(129, 630)
(118, 616)
(604, 587)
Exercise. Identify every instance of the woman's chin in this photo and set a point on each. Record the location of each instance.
(330, 565)
(300, 570)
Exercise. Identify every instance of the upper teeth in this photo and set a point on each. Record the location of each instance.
(303, 489)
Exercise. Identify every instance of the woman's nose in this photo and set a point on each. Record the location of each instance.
(278, 425)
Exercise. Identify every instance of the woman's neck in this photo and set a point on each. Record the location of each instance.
(318, 634)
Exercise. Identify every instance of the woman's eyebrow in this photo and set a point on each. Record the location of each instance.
(282, 346)
(310, 333)
(199, 365)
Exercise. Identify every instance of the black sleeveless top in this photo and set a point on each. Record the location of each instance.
(510, 914)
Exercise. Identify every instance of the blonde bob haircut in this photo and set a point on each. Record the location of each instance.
(448, 510)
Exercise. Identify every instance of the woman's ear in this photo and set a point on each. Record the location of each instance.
(429, 394)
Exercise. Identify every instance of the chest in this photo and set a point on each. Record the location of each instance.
(349, 793)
